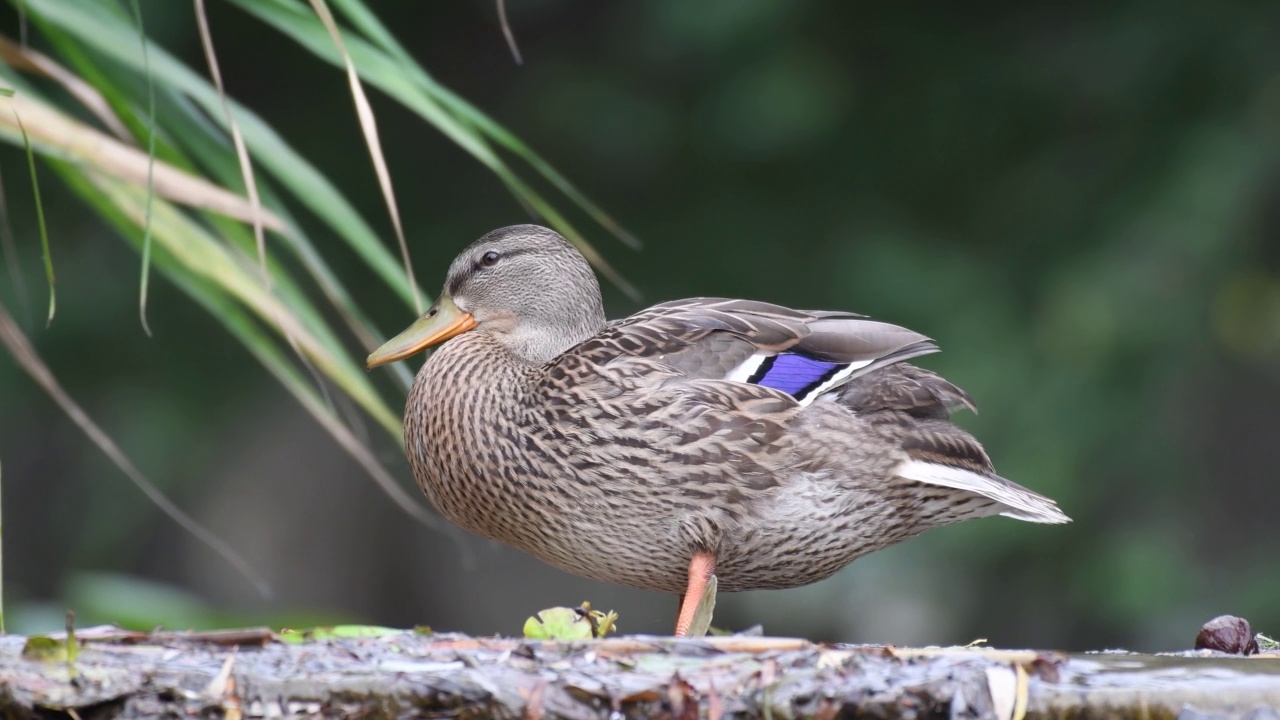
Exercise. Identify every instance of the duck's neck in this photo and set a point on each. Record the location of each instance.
(542, 343)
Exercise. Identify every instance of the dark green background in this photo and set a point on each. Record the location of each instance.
(1080, 203)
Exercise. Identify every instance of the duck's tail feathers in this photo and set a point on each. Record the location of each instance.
(1016, 501)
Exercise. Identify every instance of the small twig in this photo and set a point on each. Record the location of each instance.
(223, 688)
(533, 705)
(248, 636)
(257, 636)
(73, 647)
(506, 31)
(369, 126)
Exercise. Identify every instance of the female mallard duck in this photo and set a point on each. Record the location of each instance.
(766, 445)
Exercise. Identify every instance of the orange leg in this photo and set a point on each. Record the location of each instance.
(701, 567)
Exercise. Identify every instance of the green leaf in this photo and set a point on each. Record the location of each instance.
(42, 648)
(559, 623)
(336, 632)
(564, 623)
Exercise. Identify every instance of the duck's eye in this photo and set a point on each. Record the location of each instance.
(489, 259)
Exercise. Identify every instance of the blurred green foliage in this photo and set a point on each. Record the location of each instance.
(1078, 202)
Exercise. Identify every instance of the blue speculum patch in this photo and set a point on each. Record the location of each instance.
(794, 374)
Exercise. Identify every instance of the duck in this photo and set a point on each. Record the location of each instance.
(698, 444)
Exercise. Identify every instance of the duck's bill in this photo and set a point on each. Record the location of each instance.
(443, 321)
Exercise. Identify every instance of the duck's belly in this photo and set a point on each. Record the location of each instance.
(809, 528)
(806, 530)
(610, 537)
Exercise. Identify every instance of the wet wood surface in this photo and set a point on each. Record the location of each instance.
(249, 674)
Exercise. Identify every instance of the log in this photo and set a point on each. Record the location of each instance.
(252, 674)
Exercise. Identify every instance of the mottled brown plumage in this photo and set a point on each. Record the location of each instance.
(783, 443)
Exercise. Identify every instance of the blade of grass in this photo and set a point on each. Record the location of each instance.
(344, 437)
(242, 153)
(201, 254)
(53, 131)
(119, 114)
(331, 287)
(369, 126)
(22, 351)
(374, 67)
(93, 28)
(208, 143)
(240, 326)
(506, 32)
(226, 308)
(385, 73)
(366, 22)
(213, 155)
(250, 183)
(27, 60)
(313, 320)
(44, 231)
(151, 167)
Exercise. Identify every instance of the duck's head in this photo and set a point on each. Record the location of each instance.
(524, 285)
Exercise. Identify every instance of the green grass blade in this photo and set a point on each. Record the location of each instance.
(259, 345)
(52, 132)
(119, 116)
(366, 22)
(184, 122)
(207, 144)
(369, 128)
(96, 28)
(44, 231)
(250, 184)
(229, 311)
(374, 66)
(216, 158)
(385, 73)
(201, 254)
(151, 163)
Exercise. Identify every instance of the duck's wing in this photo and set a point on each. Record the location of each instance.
(905, 388)
(805, 354)
(943, 455)
(743, 368)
